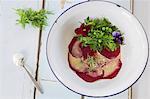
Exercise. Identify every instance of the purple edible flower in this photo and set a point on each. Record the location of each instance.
(117, 37)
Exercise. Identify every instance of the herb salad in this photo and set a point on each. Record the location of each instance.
(101, 34)
(94, 53)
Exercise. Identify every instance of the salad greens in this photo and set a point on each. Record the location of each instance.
(30, 16)
(100, 34)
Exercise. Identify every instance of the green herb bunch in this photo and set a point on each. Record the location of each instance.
(100, 35)
(35, 18)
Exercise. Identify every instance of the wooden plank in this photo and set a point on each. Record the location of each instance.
(38, 51)
(55, 90)
(15, 84)
(130, 92)
(141, 89)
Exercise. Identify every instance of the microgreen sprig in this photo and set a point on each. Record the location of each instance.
(35, 18)
(92, 63)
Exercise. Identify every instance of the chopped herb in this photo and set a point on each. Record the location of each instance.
(92, 63)
(30, 16)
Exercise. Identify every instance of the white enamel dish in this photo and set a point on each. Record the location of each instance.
(134, 53)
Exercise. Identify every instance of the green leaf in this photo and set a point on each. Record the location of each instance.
(35, 18)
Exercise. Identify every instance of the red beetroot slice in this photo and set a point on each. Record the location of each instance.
(76, 64)
(83, 30)
(109, 71)
(115, 70)
(74, 48)
(96, 73)
(80, 69)
(88, 78)
(87, 51)
(72, 43)
(110, 54)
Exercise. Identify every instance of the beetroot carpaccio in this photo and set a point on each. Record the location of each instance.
(94, 52)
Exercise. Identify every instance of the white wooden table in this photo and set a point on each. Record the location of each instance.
(15, 84)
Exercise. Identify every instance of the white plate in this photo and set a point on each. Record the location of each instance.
(134, 53)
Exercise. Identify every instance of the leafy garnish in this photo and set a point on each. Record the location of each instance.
(100, 34)
(30, 16)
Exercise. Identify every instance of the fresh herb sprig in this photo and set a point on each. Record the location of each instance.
(35, 18)
(100, 35)
(92, 63)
